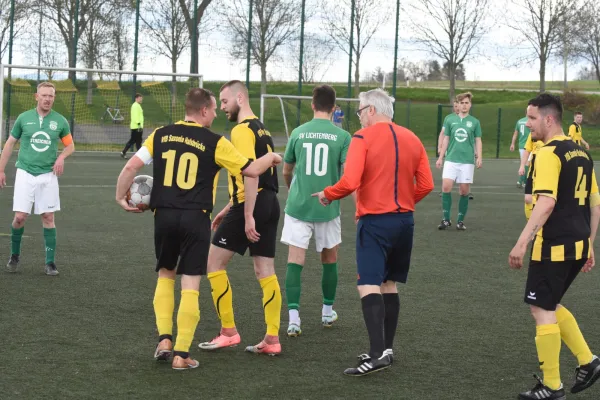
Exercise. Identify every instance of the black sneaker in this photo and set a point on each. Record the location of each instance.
(460, 226)
(543, 392)
(50, 269)
(388, 352)
(445, 224)
(471, 197)
(586, 375)
(13, 263)
(367, 366)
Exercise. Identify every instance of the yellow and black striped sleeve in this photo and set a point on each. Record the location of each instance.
(244, 140)
(228, 157)
(547, 172)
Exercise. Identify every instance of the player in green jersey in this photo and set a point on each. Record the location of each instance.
(462, 141)
(38, 169)
(523, 133)
(314, 158)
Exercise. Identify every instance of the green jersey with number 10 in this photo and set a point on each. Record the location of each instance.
(318, 149)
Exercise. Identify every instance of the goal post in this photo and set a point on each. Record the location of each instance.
(97, 102)
(281, 114)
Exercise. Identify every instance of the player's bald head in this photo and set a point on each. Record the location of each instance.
(236, 87)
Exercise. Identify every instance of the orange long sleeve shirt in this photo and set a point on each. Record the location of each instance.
(388, 167)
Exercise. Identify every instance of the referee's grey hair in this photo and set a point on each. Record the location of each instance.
(378, 98)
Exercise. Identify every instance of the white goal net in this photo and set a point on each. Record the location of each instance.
(96, 102)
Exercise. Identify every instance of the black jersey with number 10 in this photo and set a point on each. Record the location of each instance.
(187, 158)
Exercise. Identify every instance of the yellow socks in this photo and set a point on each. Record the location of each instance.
(548, 343)
(528, 210)
(188, 317)
(571, 335)
(164, 304)
(271, 303)
(222, 297)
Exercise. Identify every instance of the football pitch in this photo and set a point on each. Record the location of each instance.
(89, 333)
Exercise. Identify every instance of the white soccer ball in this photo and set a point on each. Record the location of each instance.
(139, 192)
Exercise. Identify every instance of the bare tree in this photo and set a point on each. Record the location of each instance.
(369, 15)
(186, 7)
(566, 50)
(588, 37)
(96, 44)
(538, 23)
(19, 25)
(274, 24)
(62, 14)
(164, 23)
(121, 45)
(452, 30)
(317, 57)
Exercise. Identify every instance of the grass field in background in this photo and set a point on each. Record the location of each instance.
(89, 333)
(416, 108)
(593, 86)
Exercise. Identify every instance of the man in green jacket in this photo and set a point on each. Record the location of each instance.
(136, 125)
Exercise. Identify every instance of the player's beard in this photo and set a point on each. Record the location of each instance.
(234, 112)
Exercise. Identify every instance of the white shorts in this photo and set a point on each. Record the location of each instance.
(521, 151)
(41, 190)
(298, 233)
(459, 173)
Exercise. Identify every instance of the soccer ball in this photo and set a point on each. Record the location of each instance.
(138, 194)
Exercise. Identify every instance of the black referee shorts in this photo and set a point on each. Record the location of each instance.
(548, 281)
(231, 233)
(182, 235)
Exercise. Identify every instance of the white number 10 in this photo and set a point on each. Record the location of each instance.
(320, 157)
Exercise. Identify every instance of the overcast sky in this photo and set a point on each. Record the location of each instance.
(496, 48)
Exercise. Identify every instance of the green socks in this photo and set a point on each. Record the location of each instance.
(16, 234)
(463, 206)
(446, 205)
(329, 283)
(50, 243)
(292, 285)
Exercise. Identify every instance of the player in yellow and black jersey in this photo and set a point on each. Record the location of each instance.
(248, 221)
(575, 130)
(187, 157)
(527, 167)
(563, 228)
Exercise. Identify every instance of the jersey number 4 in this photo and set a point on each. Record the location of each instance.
(186, 169)
(320, 158)
(580, 192)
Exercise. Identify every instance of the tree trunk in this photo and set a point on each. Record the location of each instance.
(542, 74)
(597, 68)
(173, 88)
(357, 76)
(71, 57)
(452, 76)
(88, 99)
(565, 58)
(263, 77)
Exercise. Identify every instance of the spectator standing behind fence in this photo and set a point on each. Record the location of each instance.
(338, 116)
(136, 125)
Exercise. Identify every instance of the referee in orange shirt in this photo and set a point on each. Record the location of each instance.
(384, 161)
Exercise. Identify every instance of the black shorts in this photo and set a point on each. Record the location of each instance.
(182, 235)
(548, 281)
(383, 247)
(529, 185)
(231, 233)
